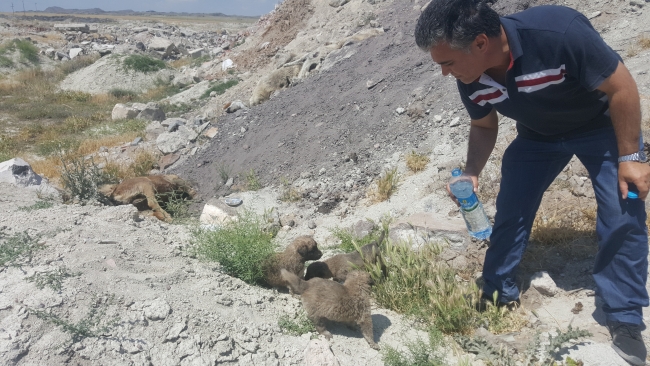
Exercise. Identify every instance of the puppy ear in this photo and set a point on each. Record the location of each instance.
(303, 250)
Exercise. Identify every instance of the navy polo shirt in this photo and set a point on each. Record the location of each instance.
(557, 62)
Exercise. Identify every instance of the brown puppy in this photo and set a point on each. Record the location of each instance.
(340, 265)
(329, 300)
(301, 249)
(142, 191)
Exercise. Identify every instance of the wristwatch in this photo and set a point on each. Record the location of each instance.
(637, 156)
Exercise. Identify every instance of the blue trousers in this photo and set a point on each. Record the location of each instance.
(528, 169)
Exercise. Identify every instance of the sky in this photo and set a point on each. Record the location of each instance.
(229, 7)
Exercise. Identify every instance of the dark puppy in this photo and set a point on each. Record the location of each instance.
(329, 300)
(301, 249)
(340, 265)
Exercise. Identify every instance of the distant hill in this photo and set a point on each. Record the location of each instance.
(97, 11)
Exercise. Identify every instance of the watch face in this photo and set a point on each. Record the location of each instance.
(642, 156)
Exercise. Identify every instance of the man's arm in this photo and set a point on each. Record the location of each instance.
(625, 110)
(482, 138)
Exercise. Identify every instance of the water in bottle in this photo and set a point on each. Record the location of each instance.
(477, 222)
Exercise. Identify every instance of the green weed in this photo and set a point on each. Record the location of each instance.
(241, 247)
(298, 325)
(18, 248)
(93, 325)
(176, 203)
(81, 178)
(123, 94)
(418, 353)
(349, 241)
(220, 88)
(39, 205)
(143, 63)
(52, 279)
(252, 181)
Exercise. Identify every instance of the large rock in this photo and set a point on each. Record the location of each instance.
(162, 45)
(157, 309)
(122, 111)
(170, 142)
(151, 112)
(216, 212)
(18, 172)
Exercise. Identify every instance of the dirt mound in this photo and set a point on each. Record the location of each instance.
(279, 28)
(505, 7)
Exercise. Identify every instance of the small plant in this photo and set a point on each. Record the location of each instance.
(17, 248)
(77, 63)
(224, 173)
(28, 52)
(349, 241)
(252, 181)
(240, 246)
(123, 94)
(502, 357)
(81, 178)
(93, 325)
(199, 60)
(143, 63)
(385, 186)
(5, 62)
(220, 88)
(298, 325)
(142, 164)
(175, 203)
(52, 279)
(418, 353)
(289, 193)
(39, 205)
(416, 162)
(176, 107)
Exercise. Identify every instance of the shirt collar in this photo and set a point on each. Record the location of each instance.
(510, 27)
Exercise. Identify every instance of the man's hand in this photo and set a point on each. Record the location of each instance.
(636, 173)
(451, 195)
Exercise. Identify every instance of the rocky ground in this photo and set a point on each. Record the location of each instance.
(359, 111)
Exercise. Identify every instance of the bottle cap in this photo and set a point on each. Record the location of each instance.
(456, 172)
(632, 195)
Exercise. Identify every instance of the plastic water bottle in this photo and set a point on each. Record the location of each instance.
(462, 188)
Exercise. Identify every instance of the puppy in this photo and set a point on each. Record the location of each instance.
(340, 265)
(301, 249)
(329, 300)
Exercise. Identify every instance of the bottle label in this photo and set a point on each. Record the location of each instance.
(469, 204)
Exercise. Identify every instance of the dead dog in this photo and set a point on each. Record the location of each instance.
(340, 265)
(329, 300)
(145, 192)
(303, 248)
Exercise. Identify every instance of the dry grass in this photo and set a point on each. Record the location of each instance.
(385, 186)
(177, 64)
(644, 42)
(416, 162)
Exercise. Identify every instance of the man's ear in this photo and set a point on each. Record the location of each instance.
(481, 42)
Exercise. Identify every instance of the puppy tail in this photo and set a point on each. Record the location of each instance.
(294, 283)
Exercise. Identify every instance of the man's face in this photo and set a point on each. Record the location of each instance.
(464, 66)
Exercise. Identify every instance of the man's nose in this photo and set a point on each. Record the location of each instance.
(445, 70)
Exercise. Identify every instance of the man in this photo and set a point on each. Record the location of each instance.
(549, 70)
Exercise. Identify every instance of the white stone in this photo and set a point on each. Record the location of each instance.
(227, 64)
(122, 111)
(157, 309)
(74, 52)
(18, 172)
(543, 283)
(216, 212)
